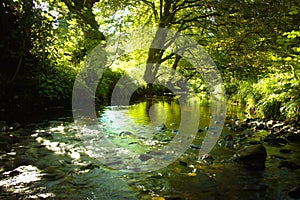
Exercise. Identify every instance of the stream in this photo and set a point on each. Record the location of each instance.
(50, 160)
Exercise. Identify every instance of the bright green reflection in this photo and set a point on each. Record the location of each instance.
(156, 113)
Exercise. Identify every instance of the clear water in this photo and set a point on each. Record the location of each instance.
(55, 163)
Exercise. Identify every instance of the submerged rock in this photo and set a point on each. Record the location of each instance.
(289, 165)
(3, 126)
(194, 146)
(183, 163)
(5, 139)
(273, 140)
(260, 126)
(254, 157)
(207, 159)
(285, 151)
(200, 130)
(145, 157)
(294, 192)
(270, 123)
(124, 133)
(293, 136)
(161, 127)
(5, 147)
(15, 126)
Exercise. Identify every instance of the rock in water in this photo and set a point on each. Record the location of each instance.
(254, 157)
(124, 133)
(161, 127)
(15, 126)
(5, 147)
(3, 126)
(288, 165)
(294, 193)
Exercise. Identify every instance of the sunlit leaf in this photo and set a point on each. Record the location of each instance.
(288, 59)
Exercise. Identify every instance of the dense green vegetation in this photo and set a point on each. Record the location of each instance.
(254, 43)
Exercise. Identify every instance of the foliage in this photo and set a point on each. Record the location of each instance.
(21, 23)
(107, 84)
(44, 46)
(57, 83)
(275, 96)
(254, 43)
(280, 97)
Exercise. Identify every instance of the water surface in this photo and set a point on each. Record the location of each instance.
(55, 163)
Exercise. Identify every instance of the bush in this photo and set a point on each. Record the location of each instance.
(56, 83)
(106, 85)
(275, 96)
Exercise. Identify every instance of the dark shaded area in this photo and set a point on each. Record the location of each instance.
(18, 75)
(32, 170)
(151, 91)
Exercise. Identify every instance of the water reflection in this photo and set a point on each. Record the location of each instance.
(68, 172)
(153, 112)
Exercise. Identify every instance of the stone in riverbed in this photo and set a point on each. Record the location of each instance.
(15, 126)
(200, 130)
(161, 127)
(5, 147)
(288, 165)
(206, 159)
(273, 140)
(3, 126)
(260, 126)
(294, 192)
(124, 133)
(6, 138)
(293, 136)
(254, 157)
(285, 151)
(270, 123)
(145, 157)
(193, 146)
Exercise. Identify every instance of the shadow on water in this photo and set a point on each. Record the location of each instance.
(49, 161)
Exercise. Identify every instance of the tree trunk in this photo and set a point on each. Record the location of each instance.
(156, 50)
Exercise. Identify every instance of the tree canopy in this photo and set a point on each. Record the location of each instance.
(253, 42)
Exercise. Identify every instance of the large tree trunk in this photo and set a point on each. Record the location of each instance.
(155, 54)
(156, 51)
(83, 10)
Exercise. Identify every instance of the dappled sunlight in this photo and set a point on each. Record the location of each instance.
(20, 180)
(23, 174)
(59, 147)
(126, 99)
(59, 128)
(59, 159)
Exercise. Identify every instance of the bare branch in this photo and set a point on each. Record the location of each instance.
(183, 21)
(161, 8)
(167, 57)
(176, 61)
(152, 6)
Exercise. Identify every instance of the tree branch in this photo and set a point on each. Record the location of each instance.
(182, 21)
(152, 6)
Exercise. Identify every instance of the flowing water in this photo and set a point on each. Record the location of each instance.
(55, 162)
